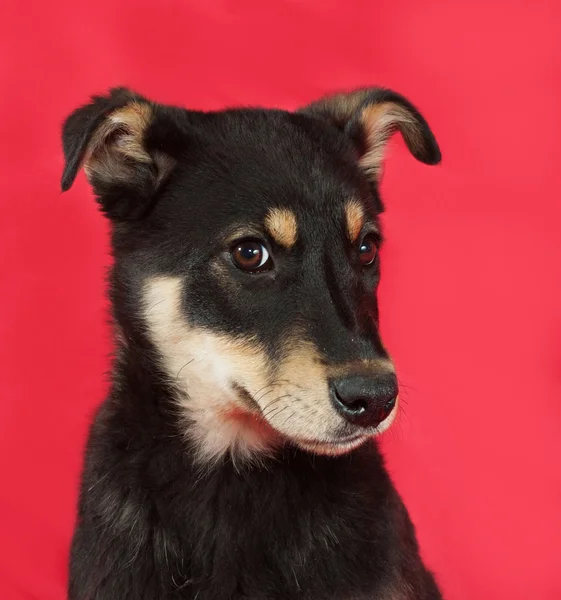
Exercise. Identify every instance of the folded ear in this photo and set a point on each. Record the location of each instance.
(109, 138)
(370, 117)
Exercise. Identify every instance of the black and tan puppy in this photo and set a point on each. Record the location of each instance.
(235, 457)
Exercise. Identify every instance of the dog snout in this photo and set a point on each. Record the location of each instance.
(364, 401)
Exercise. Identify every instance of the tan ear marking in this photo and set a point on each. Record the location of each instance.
(282, 226)
(132, 121)
(380, 121)
(341, 106)
(122, 133)
(354, 213)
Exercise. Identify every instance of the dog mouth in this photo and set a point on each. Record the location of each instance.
(340, 443)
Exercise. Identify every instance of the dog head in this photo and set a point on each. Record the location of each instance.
(246, 245)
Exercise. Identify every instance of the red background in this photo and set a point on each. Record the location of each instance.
(471, 293)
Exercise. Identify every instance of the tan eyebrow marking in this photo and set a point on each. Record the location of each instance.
(281, 224)
(354, 213)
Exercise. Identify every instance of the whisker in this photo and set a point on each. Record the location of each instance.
(187, 363)
(288, 419)
(264, 394)
(281, 410)
(276, 400)
(154, 306)
(267, 411)
(275, 383)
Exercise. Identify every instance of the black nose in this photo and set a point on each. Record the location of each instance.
(364, 401)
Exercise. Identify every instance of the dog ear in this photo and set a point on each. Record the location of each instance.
(370, 117)
(109, 138)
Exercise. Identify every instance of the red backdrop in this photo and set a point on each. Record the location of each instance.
(471, 293)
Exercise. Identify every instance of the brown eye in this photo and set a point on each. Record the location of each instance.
(250, 255)
(368, 250)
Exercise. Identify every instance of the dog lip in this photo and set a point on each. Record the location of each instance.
(335, 442)
(349, 438)
(332, 448)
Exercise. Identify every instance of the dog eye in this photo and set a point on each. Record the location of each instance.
(251, 256)
(368, 250)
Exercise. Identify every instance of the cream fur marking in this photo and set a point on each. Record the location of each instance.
(287, 401)
(203, 366)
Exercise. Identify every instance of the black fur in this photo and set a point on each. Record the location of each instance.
(153, 524)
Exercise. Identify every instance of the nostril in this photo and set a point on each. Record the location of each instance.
(356, 406)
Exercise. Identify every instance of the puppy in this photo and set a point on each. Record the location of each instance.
(235, 457)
